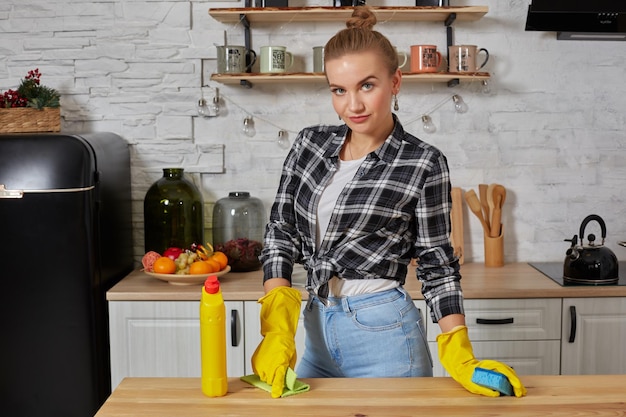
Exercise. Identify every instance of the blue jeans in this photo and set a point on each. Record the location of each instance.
(372, 335)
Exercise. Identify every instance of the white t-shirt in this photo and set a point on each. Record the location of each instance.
(345, 172)
(339, 287)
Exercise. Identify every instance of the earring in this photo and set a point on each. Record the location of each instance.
(339, 117)
(395, 103)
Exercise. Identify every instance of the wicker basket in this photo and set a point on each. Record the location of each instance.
(28, 120)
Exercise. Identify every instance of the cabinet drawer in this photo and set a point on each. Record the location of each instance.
(510, 319)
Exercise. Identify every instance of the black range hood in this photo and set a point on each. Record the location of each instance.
(579, 20)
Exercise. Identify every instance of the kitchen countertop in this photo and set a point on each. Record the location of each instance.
(513, 280)
(580, 395)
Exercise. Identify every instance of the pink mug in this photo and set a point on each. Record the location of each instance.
(425, 58)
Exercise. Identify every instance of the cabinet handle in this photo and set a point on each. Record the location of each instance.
(234, 318)
(572, 329)
(495, 321)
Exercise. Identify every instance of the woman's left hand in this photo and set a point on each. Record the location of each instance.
(457, 357)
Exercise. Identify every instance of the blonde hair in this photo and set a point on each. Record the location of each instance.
(359, 36)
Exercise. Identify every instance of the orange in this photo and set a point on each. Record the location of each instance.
(199, 267)
(164, 265)
(213, 264)
(221, 258)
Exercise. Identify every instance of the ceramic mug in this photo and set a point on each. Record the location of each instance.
(425, 58)
(402, 58)
(318, 59)
(232, 59)
(275, 59)
(462, 58)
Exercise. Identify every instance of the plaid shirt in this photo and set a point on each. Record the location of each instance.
(396, 208)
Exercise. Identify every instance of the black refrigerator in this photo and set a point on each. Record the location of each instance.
(65, 239)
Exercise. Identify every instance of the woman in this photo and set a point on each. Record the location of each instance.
(356, 203)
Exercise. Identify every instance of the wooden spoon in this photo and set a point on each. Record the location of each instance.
(500, 190)
(474, 205)
(496, 218)
(499, 195)
(490, 202)
(482, 194)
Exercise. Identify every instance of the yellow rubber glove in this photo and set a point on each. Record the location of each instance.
(280, 310)
(457, 356)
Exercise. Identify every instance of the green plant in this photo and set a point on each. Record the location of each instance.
(31, 93)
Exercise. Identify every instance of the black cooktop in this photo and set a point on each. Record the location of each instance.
(554, 271)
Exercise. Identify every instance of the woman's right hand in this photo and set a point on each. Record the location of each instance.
(280, 311)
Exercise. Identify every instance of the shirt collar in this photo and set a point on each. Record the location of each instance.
(339, 137)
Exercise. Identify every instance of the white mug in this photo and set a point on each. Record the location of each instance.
(318, 59)
(402, 58)
(275, 59)
(463, 58)
(232, 59)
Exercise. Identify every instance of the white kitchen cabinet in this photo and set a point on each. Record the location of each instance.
(162, 338)
(523, 333)
(594, 336)
(158, 337)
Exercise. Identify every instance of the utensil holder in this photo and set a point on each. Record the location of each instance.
(494, 249)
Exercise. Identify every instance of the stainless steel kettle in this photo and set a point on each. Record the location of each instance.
(592, 264)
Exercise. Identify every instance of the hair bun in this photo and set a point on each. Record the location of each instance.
(362, 18)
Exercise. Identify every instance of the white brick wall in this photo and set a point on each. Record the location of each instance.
(552, 130)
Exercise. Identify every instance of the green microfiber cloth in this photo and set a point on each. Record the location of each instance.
(292, 385)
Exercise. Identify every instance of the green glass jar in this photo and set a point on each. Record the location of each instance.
(173, 213)
(238, 226)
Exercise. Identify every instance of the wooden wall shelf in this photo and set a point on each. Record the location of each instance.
(249, 15)
(340, 14)
(311, 77)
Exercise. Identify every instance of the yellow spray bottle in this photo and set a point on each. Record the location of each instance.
(213, 339)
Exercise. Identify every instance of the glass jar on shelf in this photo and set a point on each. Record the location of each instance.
(238, 226)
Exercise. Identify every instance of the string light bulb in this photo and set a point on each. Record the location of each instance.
(206, 110)
(203, 108)
(459, 104)
(428, 125)
(486, 87)
(248, 126)
(216, 102)
(283, 140)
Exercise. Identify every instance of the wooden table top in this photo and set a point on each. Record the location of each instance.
(514, 280)
(581, 395)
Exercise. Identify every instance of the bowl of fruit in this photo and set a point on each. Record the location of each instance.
(179, 266)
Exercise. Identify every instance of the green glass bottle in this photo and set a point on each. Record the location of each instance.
(173, 213)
